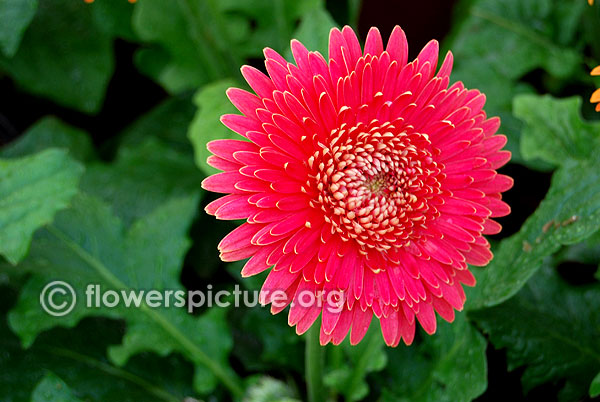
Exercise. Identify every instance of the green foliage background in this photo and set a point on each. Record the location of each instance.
(133, 219)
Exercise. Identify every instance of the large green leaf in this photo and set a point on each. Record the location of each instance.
(53, 389)
(142, 178)
(551, 328)
(114, 18)
(32, 190)
(212, 103)
(187, 55)
(569, 214)
(15, 16)
(77, 357)
(555, 131)
(350, 365)
(86, 245)
(64, 56)
(448, 366)
(201, 41)
(49, 132)
(500, 41)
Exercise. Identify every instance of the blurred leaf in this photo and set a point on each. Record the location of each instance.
(167, 122)
(180, 29)
(77, 356)
(313, 31)
(197, 42)
(595, 386)
(212, 103)
(263, 23)
(551, 328)
(114, 18)
(53, 389)
(32, 190)
(352, 364)
(142, 178)
(75, 53)
(555, 131)
(88, 245)
(263, 341)
(268, 389)
(568, 215)
(50, 132)
(15, 17)
(499, 42)
(447, 366)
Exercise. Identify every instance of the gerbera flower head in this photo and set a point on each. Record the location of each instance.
(367, 183)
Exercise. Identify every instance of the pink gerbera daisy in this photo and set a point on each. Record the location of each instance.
(366, 176)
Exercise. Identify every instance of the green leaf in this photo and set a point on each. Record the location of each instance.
(352, 364)
(114, 18)
(53, 389)
(77, 356)
(263, 23)
(50, 132)
(552, 329)
(32, 190)
(196, 42)
(595, 386)
(186, 56)
(568, 215)
(534, 35)
(15, 17)
(263, 341)
(555, 131)
(313, 31)
(447, 366)
(142, 178)
(75, 53)
(167, 122)
(212, 103)
(87, 245)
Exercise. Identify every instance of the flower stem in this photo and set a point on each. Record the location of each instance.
(314, 362)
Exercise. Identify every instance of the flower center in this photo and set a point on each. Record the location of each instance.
(377, 185)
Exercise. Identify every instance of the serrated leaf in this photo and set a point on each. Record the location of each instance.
(88, 245)
(75, 54)
(32, 190)
(552, 329)
(568, 215)
(352, 364)
(50, 132)
(534, 35)
(447, 366)
(15, 17)
(53, 389)
(595, 386)
(141, 178)
(212, 103)
(555, 131)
